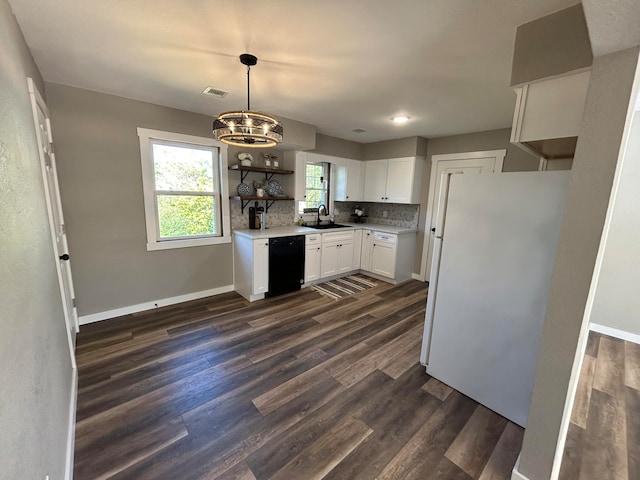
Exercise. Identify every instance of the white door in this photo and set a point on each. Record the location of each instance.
(375, 180)
(260, 266)
(399, 180)
(54, 208)
(355, 180)
(329, 260)
(486, 162)
(345, 257)
(383, 259)
(312, 263)
(367, 245)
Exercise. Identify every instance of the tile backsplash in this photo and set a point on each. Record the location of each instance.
(279, 214)
(398, 215)
(282, 213)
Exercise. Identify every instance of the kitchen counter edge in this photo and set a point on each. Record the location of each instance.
(289, 230)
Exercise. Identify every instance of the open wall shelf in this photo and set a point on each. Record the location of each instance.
(268, 175)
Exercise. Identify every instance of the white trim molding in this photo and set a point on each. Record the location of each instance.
(515, 473)
(498, 155)
(154, 242)
(71, 429)
(163, 302)
(614, 332)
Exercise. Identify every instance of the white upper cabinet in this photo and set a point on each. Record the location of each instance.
(355, 180)
(349, 180)
(396, 180)
(375, 180)
(548, 113)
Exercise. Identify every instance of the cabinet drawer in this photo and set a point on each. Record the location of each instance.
(385, 237)
(313, 239)
(337, 237)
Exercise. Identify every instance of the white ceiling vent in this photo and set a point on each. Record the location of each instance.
(214, 92)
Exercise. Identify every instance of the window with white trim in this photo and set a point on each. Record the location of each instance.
(317, 181)
(185, 190)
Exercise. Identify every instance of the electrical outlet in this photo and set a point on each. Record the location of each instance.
(384, 214)
(46, 478)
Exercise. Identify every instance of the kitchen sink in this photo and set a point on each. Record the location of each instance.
(326, 226)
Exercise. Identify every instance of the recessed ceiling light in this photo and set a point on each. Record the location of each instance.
(359, 130)
(400, 119)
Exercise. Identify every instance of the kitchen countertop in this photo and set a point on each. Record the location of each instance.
(290, 230)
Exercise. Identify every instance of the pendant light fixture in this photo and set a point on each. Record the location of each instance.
(246, 128)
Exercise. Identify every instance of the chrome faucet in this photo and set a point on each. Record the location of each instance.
(324, 207)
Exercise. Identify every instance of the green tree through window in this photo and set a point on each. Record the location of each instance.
(186, 199)
(317, 181)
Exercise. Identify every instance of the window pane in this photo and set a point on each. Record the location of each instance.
(186, 215)
(182, 168)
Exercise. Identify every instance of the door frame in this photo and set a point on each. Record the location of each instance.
(431, 200)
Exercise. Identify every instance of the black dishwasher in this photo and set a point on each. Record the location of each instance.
(286, 264)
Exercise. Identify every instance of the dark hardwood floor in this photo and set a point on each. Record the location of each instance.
(603, 441)
(293, 387)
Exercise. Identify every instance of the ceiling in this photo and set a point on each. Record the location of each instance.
(339, 65)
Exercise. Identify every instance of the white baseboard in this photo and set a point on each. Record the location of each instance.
(417, 276)
(71, 429)
(614, 332)
(516, 475)
(163, 302)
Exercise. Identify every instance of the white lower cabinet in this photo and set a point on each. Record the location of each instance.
(388, 256)
(383, 254)
(260, 266)
(312, 256)
(357, 249)
(251, 266)
(365, 256)
(337, 253)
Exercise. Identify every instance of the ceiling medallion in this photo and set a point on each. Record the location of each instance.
(245, 128)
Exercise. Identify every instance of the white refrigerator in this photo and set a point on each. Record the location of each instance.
(496, 238)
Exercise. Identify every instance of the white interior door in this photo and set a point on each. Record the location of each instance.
(485, 162)
(54, 207)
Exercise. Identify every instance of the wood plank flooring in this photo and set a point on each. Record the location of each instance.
(603, 441)
(293, 387)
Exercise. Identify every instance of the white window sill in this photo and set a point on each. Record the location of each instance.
(192, 242)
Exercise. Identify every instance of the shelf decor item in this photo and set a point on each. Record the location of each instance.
(274, 189)
(243, 189)
(245, 159)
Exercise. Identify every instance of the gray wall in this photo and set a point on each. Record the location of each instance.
(337, 147)
(101, 186)
(516, 160)
(551, 45)
(616, 303)
(35, 362)
(590, 184)
(401, 147)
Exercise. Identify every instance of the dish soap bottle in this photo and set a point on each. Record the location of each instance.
(301, 221)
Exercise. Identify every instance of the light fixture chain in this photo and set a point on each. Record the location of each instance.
(248, 88)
